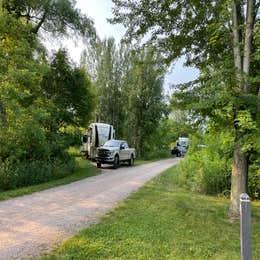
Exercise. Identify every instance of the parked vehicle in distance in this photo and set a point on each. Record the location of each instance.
(114, 152)
(183, 141)
(181, 147)
(96, 135)
(179, 151)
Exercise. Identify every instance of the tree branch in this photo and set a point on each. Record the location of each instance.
(38, 26)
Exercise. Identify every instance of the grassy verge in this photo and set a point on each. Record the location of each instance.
(84, 170)
(144, 161)
(140, 161)
(161, 221)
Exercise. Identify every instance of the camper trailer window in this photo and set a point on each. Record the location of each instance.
(84, 138)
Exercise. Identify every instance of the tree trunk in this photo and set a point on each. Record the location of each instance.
(248, 43)
(242, 64)
(238, 179)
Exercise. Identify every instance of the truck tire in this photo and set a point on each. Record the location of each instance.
(98, 164)
(131, 161)
(116, 162)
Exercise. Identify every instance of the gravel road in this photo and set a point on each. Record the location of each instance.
(33, 224)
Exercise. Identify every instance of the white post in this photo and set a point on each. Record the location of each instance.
(245, 227)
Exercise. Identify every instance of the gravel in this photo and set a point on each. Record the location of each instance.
(32, 224)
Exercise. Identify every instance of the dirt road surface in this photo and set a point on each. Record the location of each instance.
(33, 224)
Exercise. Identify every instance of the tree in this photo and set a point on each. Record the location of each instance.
(55, 16)
(145, 105)
(39, 105)
(129, 86)
(217, 37)
(70, 90)
(106, 65)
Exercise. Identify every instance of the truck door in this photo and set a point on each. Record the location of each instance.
(124, 151)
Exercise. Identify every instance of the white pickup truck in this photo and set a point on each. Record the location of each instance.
(114, 152)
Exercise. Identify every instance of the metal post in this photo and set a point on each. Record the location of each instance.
(245, 227)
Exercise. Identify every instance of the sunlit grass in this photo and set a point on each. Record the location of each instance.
(161, 221)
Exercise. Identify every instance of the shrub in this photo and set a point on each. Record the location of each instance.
(206, 169)
(20, 174)
(254, 178)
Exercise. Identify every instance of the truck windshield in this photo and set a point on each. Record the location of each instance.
(112, 143)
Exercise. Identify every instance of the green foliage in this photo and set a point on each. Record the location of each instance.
(197, 30)
(163, 139)
(70, 91)
(55, 16)
(226, 95)
(108, 75)
(146, 105)
(41, 106)
(82, 169)
(254, 176)
(207, 165)
(129, 86)
(24, 173)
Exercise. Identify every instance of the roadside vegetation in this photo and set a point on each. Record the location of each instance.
(46, 101)
(221, 39)
(163, 221)
(207, 166)
(83, 169)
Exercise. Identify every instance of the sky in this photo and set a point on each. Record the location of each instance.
(99, 11)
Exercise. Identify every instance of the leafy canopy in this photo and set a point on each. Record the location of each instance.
(55, 16)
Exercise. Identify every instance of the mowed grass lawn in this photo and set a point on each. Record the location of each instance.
(161, 221)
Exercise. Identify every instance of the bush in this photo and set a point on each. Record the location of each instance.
(20, 174)
(254, 178)
(207, 169)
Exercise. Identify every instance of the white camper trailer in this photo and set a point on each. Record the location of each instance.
(96, 135)
(183, 141)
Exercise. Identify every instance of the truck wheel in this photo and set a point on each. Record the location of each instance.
(98, 164)
(131, 161)
(116, 162)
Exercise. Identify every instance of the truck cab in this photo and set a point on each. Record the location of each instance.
(114, 152)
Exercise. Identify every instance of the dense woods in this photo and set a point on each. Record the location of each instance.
(45, 102)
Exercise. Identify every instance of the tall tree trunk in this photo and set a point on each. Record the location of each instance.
(242, 64)
(238, 178)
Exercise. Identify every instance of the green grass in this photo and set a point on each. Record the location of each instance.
(140, 161)
(84, 170)
(161, 221)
